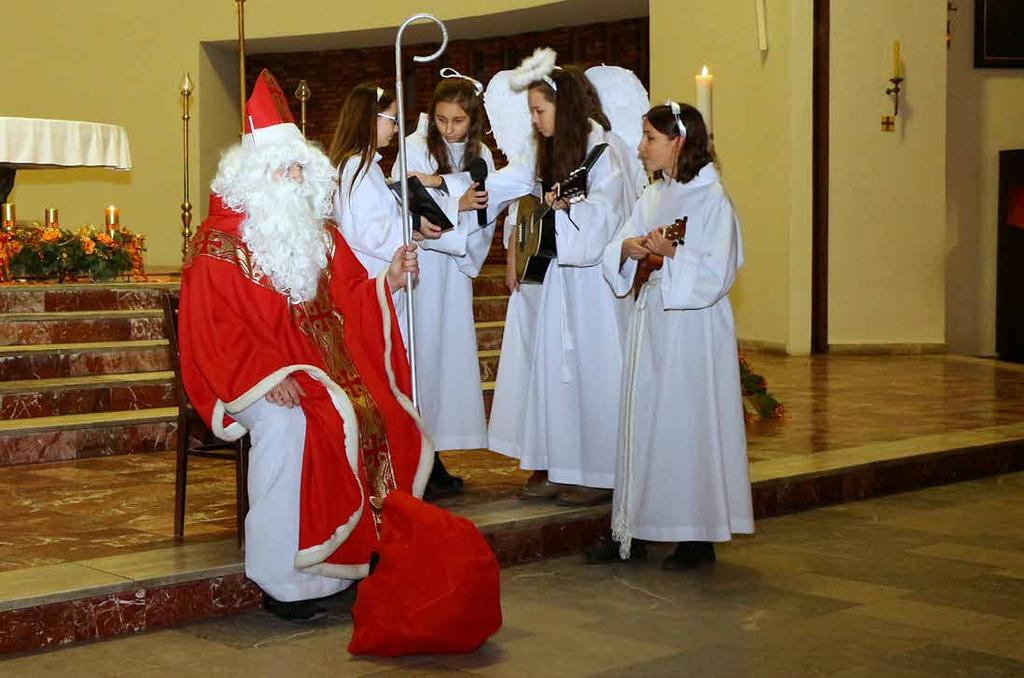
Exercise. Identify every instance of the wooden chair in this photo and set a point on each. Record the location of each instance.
(196, 440)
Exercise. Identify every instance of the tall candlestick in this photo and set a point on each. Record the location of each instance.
(186, 207)
(705, 82)
(896, 59)
(240, 4)
(50, 217)
(113, 220)
(7, 215)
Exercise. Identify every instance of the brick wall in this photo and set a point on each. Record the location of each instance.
(331, 74)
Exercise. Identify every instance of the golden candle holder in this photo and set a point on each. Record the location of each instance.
(51, 217)
(186, 206)
(303, 94)
(112, 219)
(8, 215)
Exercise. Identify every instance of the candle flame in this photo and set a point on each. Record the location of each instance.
(704, 71)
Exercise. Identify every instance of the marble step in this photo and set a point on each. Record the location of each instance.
(491, 281)
(490, 307)
(488, 388)
(54, 327)
(77, 436)
(488, 364)
(52, 361)
(488, 334)
(38, 298)
(27, 398)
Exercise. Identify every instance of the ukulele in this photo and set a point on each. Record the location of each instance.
(535, 224)
(653, 262)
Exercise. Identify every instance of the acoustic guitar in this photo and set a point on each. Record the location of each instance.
(653, 262)
(535, 223)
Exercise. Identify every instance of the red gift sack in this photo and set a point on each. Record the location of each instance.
(435, 588)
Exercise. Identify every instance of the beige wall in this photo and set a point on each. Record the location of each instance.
(887, 190)
(762, 122)
(985, 116)
(121, 61)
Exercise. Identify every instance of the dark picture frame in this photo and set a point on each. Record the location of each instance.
(998, 34)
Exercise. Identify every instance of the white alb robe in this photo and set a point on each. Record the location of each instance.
(556, 400)
(448, 372)
(370, 218)
(278, 436)
(682, 461)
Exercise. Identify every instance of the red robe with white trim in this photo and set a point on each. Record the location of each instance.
(239, 338)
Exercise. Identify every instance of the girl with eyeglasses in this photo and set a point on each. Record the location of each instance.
(365, 209)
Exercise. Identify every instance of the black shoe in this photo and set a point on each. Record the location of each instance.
(296, 611)
(689, 555)
(441, 483)
(607, 551)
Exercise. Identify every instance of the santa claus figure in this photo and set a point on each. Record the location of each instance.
(283, 336)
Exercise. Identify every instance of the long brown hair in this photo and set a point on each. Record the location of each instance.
(356, 132)
(460, 92)
(697, 150)
(564, 151)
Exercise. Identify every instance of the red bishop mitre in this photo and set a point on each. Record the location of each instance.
(267, 117)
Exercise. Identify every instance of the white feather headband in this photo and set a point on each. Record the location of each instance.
(536, 67)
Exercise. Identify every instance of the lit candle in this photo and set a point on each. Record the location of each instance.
(113, 219)
(705, 81)
(51, 217)
(7, 215)
(896, 59)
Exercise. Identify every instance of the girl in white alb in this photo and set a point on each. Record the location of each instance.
(365, 209)
(682, 455)
(556, 400)
(439, 153)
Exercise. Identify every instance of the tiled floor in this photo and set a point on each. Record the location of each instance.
(928, 583)
(853, 409)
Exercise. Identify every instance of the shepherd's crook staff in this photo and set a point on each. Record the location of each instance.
(407, 230)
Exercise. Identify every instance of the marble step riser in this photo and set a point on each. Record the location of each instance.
(83, 363)
(87, 399)
(85, 442)
(489, 286)
(488, 368)
(29, 332)
(34, 301)
(485, 309)
(488, 338)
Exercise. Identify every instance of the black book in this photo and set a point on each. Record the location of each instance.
(422, 204)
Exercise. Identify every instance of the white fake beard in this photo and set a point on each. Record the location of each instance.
(286, 235)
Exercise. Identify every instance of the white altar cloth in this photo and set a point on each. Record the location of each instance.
(40, 143)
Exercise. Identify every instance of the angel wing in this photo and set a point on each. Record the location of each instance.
(509, 115)
(624, 100)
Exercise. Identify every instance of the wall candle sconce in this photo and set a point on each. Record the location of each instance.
(889, 121)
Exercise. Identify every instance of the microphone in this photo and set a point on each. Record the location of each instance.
(478, 173)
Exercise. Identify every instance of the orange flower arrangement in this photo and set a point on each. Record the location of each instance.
(37, 252)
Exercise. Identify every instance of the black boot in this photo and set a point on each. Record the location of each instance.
(606, 550)
(296, 611)
(441, 483)
(690, 554)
